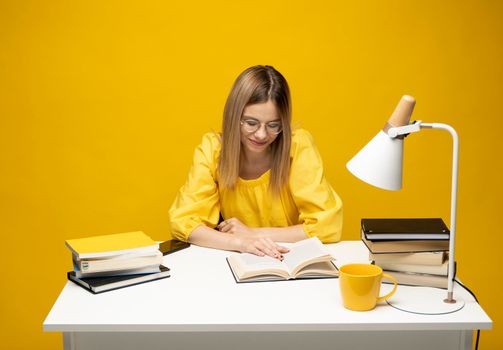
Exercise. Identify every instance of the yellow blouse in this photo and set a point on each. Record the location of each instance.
(308, 200)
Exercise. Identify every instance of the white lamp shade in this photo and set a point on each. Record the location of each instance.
(379, 163)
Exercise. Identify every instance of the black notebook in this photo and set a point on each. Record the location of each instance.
(405, 229)
(103, 284)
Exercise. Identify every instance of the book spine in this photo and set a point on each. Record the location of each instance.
(123, 272)
(120, 264)
(425, 258)
(440, 270)
(114, 253)
(412, 279)
(405, 246)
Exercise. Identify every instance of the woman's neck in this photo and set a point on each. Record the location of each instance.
(253, 165)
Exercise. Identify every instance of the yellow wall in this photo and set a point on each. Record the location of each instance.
(102, 104)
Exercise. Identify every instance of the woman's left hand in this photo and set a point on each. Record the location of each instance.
(251, 241)
(233, 225)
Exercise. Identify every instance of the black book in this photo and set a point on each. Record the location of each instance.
(103, 284)
(405, 229)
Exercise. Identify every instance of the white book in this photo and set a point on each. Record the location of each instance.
(418, 279)
(422, 258)
(118, 262)
(139, 271)
(306, 259)
(428, 269)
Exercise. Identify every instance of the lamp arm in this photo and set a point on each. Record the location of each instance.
(454, 191)
(404, 130)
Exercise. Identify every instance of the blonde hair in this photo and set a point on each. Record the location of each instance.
(257, 84)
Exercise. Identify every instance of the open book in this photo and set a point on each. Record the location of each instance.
(306, 259)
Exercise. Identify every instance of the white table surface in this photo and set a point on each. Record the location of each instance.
(201, 295)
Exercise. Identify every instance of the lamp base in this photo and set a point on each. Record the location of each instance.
(424, 301)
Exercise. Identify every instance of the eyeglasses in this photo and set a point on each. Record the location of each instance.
(251, 126)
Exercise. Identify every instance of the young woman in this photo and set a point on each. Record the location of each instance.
(264, 180)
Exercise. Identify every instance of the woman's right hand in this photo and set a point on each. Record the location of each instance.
(262, 247)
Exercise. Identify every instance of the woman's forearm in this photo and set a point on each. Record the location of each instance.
(282, 234)
(208, 237)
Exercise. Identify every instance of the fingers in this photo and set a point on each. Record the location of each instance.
(227, 225)
(228, 228)
(251, 244)
(282, 249)
(224, 227)
(270, 248)
(256, 251)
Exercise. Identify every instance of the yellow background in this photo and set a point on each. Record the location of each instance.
(102, 104)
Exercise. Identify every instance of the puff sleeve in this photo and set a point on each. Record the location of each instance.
(197, 201)
(320, 208)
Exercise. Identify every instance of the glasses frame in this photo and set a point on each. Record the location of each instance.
(259, 126)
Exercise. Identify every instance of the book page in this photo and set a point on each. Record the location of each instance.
(304, 252)
(248, 265)
(256, 262)
(325, 268)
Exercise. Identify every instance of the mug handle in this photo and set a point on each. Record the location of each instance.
(392, 279)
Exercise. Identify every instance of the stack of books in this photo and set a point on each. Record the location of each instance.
(414, 251)
(108, 262)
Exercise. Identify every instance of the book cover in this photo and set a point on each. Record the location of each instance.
(110, 245)
(405, 229)
(97, 285)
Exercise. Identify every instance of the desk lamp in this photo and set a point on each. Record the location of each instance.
(379, 163)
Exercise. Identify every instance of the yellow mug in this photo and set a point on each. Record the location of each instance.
(360, 285)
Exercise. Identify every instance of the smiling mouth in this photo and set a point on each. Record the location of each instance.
(257, 143)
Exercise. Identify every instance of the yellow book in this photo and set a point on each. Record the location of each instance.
(111, 245)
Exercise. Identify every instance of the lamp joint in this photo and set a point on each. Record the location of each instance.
(450, 298)
(402, 131)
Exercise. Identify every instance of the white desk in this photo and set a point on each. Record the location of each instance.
(201, 307)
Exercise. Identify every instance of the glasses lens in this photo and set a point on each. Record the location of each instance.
(273, 127)
(251, 126)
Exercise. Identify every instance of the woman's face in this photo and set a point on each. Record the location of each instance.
(263, 116)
